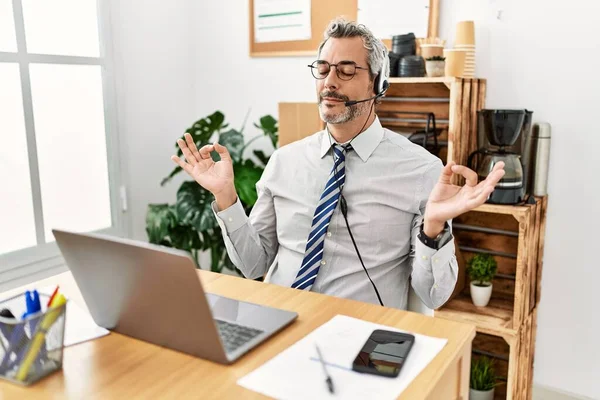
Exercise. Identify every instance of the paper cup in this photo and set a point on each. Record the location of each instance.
(465, 33)
(455, 62)
(432, 50)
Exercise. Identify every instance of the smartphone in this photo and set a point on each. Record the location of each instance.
(384, 353)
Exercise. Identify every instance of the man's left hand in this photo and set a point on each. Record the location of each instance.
(448, 201)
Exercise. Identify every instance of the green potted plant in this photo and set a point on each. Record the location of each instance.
(189, 224)
(435, 66)
(483, 379)
(481, 269)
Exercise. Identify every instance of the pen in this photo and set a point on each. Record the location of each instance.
(38, 340)
(52, 296)
(328, 380)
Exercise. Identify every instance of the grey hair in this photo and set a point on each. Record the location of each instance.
(341, 28)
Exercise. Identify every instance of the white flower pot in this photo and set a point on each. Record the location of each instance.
(481, 395)
(481, 294)
(435, 68)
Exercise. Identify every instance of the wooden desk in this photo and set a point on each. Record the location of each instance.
(119, 367)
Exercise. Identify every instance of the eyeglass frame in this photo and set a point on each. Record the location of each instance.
(337, 71)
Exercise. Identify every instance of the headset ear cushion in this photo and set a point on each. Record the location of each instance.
(376, 85)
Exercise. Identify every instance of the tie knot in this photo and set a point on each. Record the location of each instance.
(341, 150)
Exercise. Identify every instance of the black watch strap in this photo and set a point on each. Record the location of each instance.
(437, 242)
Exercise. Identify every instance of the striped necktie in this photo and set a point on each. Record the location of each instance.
(313, 253)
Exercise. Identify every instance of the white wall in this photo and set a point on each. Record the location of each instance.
(180, 64)
(154, 68)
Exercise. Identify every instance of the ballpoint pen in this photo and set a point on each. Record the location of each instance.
(328, 380)
(38, 340)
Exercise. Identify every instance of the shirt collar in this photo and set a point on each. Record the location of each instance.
(364, 144)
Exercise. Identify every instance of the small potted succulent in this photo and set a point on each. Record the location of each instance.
(481, 269)
(435, 66)
(483, 379)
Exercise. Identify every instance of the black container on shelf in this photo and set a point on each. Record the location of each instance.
(404, 45)
(411, 66)
(408, 37)
(394, 63)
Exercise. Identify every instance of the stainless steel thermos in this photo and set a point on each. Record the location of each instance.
(540, 158)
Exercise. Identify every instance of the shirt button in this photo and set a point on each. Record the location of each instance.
(435, 259)
(230, 219)
(328, 234)
(323, 262)
(435, 286)
(424, 257)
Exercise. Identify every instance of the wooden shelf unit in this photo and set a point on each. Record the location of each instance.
(513, 358)
(513, 234)
(506, 327)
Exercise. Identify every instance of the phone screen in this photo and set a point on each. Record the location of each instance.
(384, 353)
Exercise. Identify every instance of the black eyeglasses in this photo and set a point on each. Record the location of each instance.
(345, 70)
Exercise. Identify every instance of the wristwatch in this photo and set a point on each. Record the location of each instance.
(437, 242)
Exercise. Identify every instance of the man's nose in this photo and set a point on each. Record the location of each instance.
(331, 81)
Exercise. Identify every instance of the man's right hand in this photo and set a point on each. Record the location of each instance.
(216, 177)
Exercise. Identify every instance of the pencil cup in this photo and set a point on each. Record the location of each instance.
(31, 347)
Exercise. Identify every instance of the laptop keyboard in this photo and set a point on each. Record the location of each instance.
(234, 336)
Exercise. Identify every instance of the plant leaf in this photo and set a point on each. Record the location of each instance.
(193, 206)
(160, 219)
(263, 158)
(203, 129)
(268, 125)
(246, 175)
(483, 375)
(234, 141)
(185, 237)
(482, 267)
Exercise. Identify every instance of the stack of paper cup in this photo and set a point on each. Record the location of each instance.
(465, 40)
(455, 62)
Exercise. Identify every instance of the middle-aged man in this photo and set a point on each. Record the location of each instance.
(355, 210)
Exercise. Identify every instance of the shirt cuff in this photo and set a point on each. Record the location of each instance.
(232, 218)
(430, 258)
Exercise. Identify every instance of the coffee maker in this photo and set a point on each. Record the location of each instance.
(500, 133)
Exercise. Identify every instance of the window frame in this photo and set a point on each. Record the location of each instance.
(44, 258)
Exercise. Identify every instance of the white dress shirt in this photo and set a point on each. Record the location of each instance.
(388, 181)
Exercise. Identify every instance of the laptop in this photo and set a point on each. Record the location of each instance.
(153, 293)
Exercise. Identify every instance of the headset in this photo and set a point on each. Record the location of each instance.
(380, 86)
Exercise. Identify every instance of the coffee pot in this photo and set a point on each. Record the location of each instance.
(502, 129)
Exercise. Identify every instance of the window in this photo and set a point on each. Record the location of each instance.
(58, 154)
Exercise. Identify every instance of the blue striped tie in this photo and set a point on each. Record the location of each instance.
(329, 199)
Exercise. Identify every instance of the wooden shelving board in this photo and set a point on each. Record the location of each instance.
(443, 79)
(495, 319)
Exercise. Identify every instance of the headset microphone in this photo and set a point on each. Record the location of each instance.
(380, 94)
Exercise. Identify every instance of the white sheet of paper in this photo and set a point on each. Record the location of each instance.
(386, 18)
(79, 325)
(281, 20)
(296, 373)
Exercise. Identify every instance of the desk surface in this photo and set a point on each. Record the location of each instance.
(117, 366)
